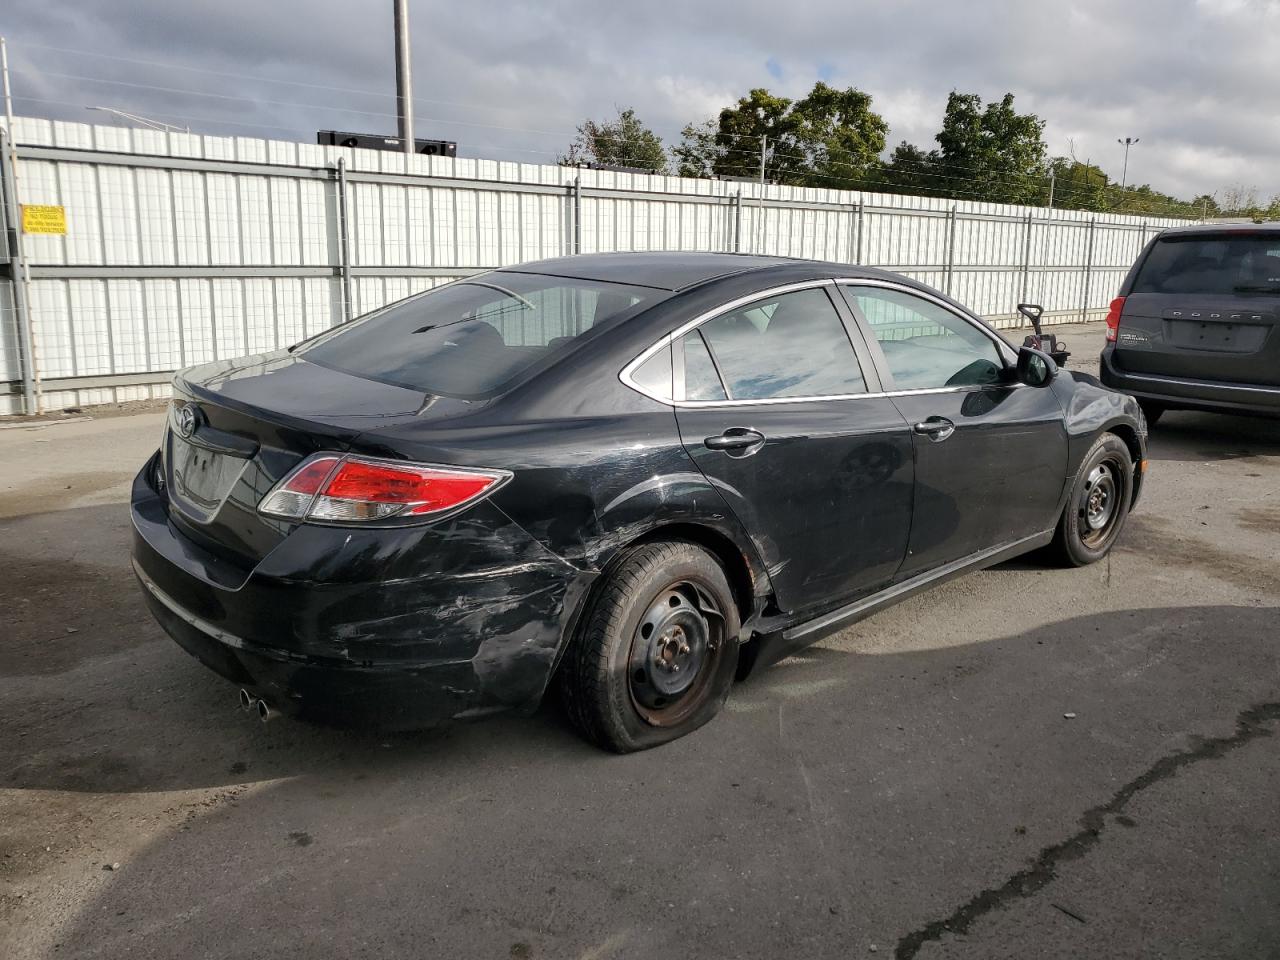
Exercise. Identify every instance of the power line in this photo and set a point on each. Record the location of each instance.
(257, 79)
(861, 179)
(983, 174)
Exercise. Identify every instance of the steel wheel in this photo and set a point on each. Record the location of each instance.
(674, 652)
(1099, 503)
(657, 650)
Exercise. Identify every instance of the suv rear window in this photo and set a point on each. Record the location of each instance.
(472, 338)
(1212, 264)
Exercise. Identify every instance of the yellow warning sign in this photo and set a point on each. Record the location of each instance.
(39, 218)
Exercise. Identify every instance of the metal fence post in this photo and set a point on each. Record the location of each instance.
(344, 240)
(857, 248)
(951, 247)
(1026, 260)
(1088, 272)
(577, 214)
(18, 285)
(737, 222)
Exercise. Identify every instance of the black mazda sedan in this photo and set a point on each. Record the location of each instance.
(635, 475)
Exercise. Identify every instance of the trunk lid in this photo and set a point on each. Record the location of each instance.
(235, 428)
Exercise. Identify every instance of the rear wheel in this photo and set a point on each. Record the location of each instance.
(1152, 411)
(656, 653)
(1098, 505)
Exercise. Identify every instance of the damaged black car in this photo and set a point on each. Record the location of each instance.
(634, 477)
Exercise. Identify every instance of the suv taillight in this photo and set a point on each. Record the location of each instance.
(1113, 318)
(333, 488)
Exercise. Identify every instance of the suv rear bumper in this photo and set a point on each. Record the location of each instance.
(395, 628)
(1187, 394)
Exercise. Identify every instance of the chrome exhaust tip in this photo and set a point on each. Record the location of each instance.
(246, 699)
(264, 712)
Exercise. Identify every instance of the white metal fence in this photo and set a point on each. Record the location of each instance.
(182, 248)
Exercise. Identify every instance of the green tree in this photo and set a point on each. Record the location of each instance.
(696, 153)
(838, 134)
(998, 150)
(624, 142)
(911, 170)
(989, 152)
(829, 138)
(1078, 186)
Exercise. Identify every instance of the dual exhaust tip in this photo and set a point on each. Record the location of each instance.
(259, 706)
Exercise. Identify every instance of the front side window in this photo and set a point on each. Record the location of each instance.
(472, 338)
(788, 345)
(926, 346)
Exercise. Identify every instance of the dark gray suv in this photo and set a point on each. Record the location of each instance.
(1197, 323)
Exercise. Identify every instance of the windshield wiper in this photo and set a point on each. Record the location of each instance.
(497, 312)
(1256, 288)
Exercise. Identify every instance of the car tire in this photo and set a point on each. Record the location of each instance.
(664, 608)
(1152, 411)
(1098, 504)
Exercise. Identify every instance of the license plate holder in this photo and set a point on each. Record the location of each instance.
(202, 478)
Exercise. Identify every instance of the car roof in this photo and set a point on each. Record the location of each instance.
(1239, 227)
(678, 271)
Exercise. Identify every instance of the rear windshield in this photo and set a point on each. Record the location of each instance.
(1212, 264)
(472, 338)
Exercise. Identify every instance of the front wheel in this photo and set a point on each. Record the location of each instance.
(657, 651)
(1098, 505)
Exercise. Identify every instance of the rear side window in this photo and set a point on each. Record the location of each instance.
(1212, 264)
(473, 338)
(791, 345)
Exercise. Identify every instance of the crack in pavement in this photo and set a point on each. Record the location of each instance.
(1251, 723)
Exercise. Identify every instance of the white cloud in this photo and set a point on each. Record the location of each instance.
(1194, 79)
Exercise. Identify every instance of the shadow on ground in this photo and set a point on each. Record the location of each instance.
(1195, 437)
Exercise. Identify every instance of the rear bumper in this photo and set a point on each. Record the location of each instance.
(393, 628)
(1188, 394)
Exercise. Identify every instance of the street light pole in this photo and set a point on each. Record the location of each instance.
(404, 75)
(1124, 175)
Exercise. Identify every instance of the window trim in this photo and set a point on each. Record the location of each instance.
(1003, 348)
(684, 328)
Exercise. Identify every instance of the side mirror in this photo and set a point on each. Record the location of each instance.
(1035, 368)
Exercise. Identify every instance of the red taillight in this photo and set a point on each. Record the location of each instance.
(1113, 318)
(352, 489)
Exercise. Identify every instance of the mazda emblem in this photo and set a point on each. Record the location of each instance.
(187, 419)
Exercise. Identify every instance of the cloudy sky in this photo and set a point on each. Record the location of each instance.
(1195, 80)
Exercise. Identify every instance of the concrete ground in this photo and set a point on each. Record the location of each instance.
(1027, 762)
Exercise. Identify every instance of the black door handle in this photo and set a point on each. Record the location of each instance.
(735, 438)
(936, 429)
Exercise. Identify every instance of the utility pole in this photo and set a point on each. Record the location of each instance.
(1052, 175)
(1124, 175)
(404, 75)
